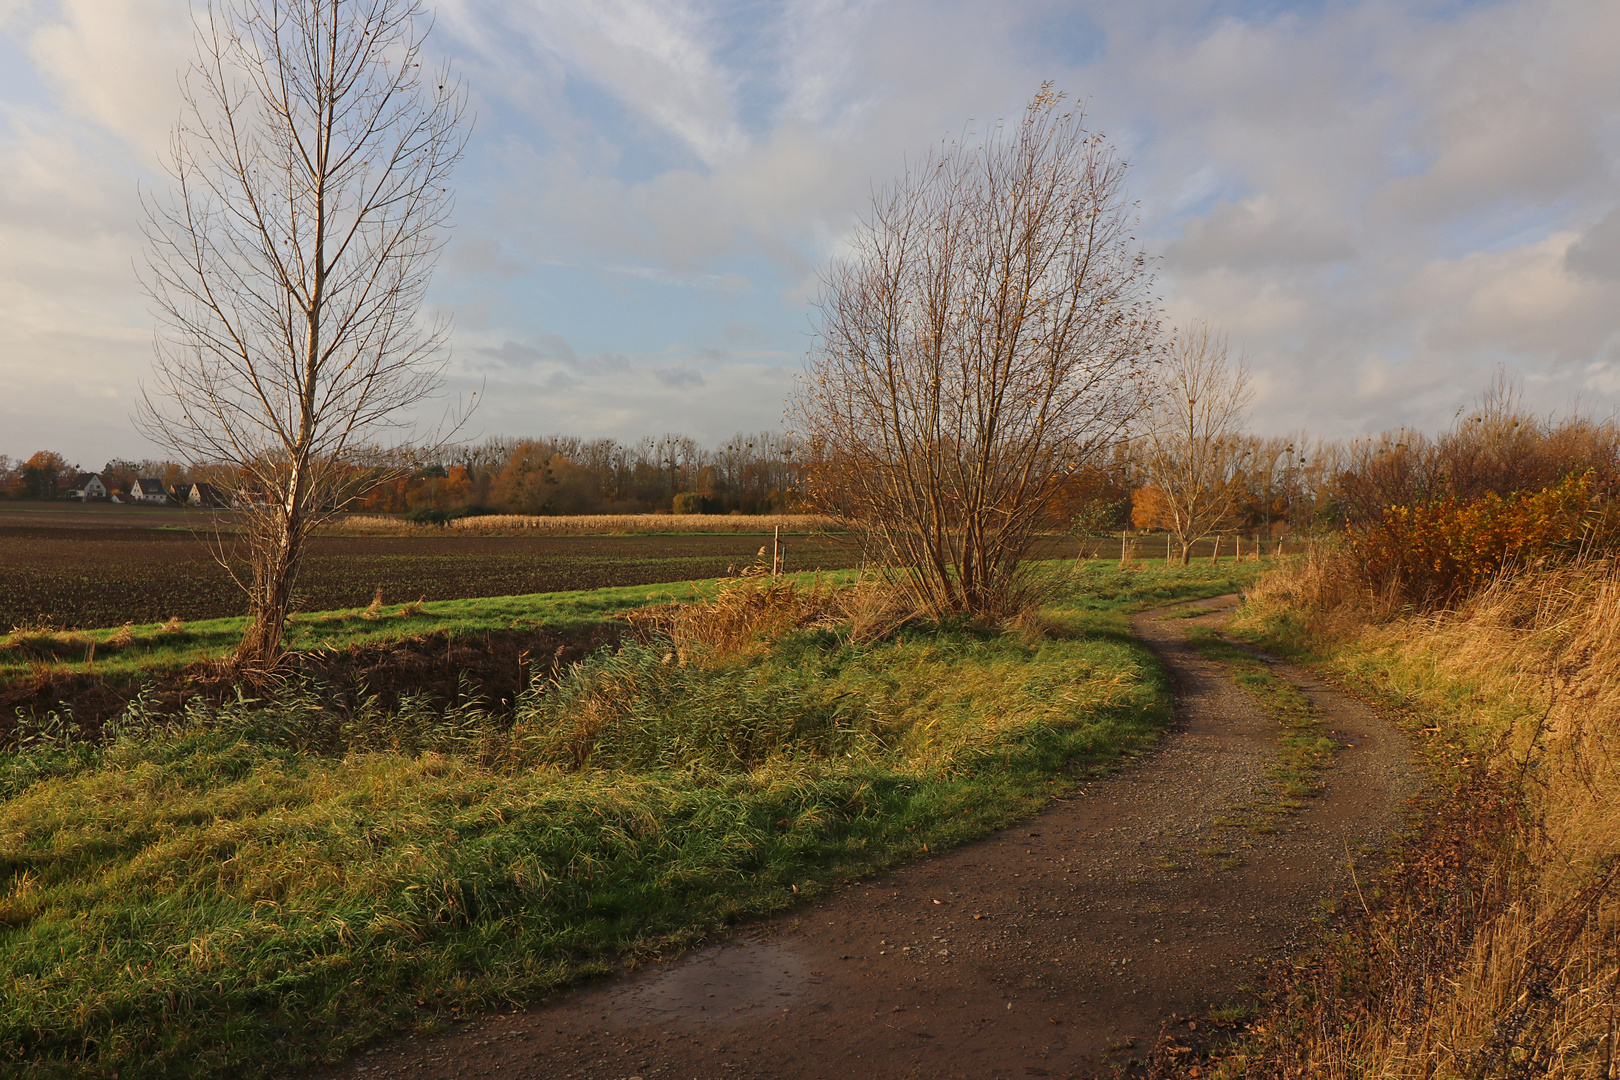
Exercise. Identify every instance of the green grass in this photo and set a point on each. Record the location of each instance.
(263, 884)
(1303, 750)
(127, 653)
(130, 652)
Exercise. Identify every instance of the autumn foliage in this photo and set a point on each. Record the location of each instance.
(1434, 553)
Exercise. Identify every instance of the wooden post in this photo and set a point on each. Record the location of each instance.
(1122, 533)
(1167, 549)
(776, 552)
(1215, 555)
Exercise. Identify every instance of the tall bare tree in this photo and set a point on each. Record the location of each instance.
(288, 266)
(1193, 448)
(986, 338)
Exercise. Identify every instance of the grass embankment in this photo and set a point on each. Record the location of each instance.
(1491, 946)
(261, 884)
(129, 652)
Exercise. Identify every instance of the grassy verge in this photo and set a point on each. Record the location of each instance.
(132, 651)
(262, 884)
(1488, 945)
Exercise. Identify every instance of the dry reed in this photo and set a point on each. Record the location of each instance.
(1495, 949)
(745, 616)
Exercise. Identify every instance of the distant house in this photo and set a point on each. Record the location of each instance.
(205, 494)
(149, 493)
(87, 487)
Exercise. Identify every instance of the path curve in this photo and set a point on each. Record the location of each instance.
(1050, 948)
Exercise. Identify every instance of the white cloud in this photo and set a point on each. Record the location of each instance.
(119, 65)
(1596, 254)
(1259, 232)
(1380, 200)
(680, 378)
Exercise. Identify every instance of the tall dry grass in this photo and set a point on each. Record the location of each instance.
(595, 524)
(1493, 949)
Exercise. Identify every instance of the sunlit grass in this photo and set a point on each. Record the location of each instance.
(156, 647)
(260, 884)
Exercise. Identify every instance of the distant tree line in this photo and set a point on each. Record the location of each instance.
(562, 474)
(758, 473)
(1293, 485)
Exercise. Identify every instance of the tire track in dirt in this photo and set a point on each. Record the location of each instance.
(1056, 947)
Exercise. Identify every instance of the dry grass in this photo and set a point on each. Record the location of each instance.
(745, 616)
(750, 613)
(597, 524)
(1319, 590)
(1494, 949)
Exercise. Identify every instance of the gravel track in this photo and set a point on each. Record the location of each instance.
(1061, 946)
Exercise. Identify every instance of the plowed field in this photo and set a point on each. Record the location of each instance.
(93, 577)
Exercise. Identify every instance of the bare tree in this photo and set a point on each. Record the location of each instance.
(1193, 448)
(986, 338)
(287, 269)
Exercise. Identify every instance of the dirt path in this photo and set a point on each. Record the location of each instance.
(1051, 948)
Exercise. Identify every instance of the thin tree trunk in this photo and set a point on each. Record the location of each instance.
(261, 644)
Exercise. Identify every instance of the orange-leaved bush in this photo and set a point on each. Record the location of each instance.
(1432, 554)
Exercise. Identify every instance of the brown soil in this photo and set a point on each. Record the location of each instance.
(1063, 946)
(91, 577)
(492, 666)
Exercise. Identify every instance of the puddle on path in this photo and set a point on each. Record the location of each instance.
(721, 986)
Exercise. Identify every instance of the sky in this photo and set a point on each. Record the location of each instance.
(1382, 203)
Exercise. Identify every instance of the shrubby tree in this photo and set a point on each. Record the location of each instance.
(45, 475)
(987, 338)
(1194, 447)
(310, 171)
